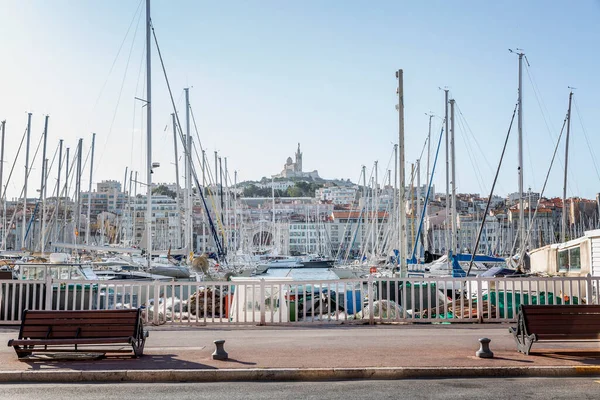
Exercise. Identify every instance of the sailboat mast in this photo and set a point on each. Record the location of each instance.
(89, 203)
(148, 134)
(177, 173)
(520, 126)
(401, 207)
(188, 176)
(24, 222)
(395, 209)
(1, 182)
(58, 191)
(446, 220)
(564, 199)
(66, 205)
(43, 186)
(78, 191)
(453, 157)
(419, 239)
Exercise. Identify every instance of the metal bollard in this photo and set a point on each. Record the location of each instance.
(484, 349)
(220, 353)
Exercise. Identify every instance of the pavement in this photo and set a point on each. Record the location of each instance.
(183, 353)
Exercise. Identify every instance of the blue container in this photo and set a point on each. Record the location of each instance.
(353, 305)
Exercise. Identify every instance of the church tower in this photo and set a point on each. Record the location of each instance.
(298, 160)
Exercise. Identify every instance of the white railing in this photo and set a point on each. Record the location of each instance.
(262, 301)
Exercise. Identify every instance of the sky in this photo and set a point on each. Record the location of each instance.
(267, 75)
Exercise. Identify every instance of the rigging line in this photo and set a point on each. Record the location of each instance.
(13, 166)
(346, 228)
(542, 106)
(587, 140)
(539, 100)
(114, 62)
(466, 123)
(543, 187)
(213, 231)
(487, 207)
(478, 175)
(112, 122)
(137, 85)
(49, 168)
(471, 154)
(530, 158)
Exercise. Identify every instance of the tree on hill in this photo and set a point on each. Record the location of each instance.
(163, 190)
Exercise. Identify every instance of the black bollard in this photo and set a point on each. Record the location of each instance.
(220, 353)
(484, 349)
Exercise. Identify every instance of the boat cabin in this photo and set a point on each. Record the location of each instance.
(577, 257)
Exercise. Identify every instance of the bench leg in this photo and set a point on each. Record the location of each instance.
(523, 341)
(20, 353)
(138, 346)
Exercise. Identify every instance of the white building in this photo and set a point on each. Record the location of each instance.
(336, 195)
(166, 223)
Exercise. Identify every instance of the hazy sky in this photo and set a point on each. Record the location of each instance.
(265, 75)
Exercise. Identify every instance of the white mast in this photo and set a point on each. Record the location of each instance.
(376, 210)
(2, 194)
(176, 171)
(205, 211)
(78, 191)
(564, 210)
(235, 227)
(521, 233)
(402, 201)
(66, 195)
(418, 216)
(148, 134)
(89, 203)
(453, 156)
(25, 185)
(43, 186)
(447, 221)
(395, 209)
(188, 176)
(58, 191)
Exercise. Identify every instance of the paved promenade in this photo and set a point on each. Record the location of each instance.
(359, 347)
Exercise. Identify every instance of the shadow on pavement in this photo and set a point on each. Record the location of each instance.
(590, 357)
(151, 361)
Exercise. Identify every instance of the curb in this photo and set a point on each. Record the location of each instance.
(292, 374)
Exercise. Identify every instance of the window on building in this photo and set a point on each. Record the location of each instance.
(569, 259)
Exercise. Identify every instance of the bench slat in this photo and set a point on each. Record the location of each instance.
(33, 342)
(569, 336)
(82, 335)
(78, 313)
(80, 322)
(560, 309)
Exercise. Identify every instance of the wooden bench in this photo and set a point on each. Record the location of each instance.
(557, 323)
(66, 331)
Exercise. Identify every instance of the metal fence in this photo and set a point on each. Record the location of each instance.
(265, 301)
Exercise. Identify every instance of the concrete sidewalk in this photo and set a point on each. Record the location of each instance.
(334, 352)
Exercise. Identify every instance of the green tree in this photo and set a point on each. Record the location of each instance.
(163, 190)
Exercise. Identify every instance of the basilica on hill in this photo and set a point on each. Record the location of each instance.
(293, 169)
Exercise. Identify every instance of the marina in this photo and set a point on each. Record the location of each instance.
(298, 242)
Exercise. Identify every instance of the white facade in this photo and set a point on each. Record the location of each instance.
(336, 195)
(166, 222)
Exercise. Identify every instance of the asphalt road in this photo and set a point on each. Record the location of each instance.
(522, 388)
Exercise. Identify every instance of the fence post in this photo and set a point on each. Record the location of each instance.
(480, 299)
(262, 302)
(49, 291)
(589, 292)
(370, 300)
(155, 306)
